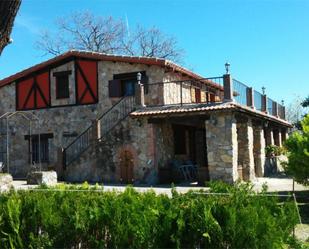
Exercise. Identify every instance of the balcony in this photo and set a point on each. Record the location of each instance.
(212, 90)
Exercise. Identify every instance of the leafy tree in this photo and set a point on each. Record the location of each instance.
(85, 31)
(298, 147)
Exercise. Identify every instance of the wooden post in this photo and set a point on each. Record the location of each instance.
(228, 88)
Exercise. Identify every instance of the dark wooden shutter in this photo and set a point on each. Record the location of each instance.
(145, 82)
(114, 88)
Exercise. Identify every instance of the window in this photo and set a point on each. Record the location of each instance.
(40, 147)
(124, 84)
(62, 84)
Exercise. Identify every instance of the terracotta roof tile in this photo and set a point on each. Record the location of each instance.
(107, 57)
(194, 108)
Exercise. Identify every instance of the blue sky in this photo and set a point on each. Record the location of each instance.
(266, 42)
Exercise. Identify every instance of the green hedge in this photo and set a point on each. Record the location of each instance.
(96, 219)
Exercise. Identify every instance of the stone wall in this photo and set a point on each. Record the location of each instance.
(258, 148)
(101, 162)
(245, 147)
(65, 123)
(221, 138)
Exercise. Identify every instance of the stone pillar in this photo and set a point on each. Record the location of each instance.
(221, 139)
(258, 149)
(284, 135)
(245, 147)
(250, 97)
(277, 137)
(228, 88)
(269, 137)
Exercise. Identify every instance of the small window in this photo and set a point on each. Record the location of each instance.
(128, 87)
(62, 85)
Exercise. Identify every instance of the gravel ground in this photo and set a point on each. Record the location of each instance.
(274, 185)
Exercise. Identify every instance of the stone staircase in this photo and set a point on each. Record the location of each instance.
(98, 130)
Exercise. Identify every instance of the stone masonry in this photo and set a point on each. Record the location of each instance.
(245, 147)
(221, 137)
(258, 148)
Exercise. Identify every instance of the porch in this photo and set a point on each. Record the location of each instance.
(223, 141)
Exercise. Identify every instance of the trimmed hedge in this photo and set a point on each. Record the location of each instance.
(96, 219)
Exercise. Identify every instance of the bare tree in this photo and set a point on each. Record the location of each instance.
(85, 31)
(296, 111)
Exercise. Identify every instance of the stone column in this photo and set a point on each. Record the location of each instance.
(269, 137)
(258, 149)
(284, 135)
(277, 137)
(221, 139)
(245, 147)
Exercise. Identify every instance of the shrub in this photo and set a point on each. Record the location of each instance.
(63, 217)
(298, 156)
(274, 150)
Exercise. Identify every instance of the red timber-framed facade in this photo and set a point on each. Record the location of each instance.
(33, 91)
(135, 119)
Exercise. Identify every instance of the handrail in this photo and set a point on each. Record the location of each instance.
(81, 143)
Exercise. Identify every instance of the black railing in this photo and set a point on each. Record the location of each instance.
(182, 92)
(116, 114)
(78, 146)
(107, 121)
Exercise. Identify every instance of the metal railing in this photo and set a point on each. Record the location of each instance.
(108, 120)
(78, 146)
(257, 100)
(270, 109)
(116, 114)
(240, 90)
(281, 111)
(182, 92)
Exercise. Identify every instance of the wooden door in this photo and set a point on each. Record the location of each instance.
(126, 167)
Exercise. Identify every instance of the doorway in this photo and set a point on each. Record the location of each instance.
(126, 167)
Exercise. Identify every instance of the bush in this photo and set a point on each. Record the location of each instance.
(298, 156)
(63, 217)
(274, 150)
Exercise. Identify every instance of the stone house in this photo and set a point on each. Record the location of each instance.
(106, 118)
